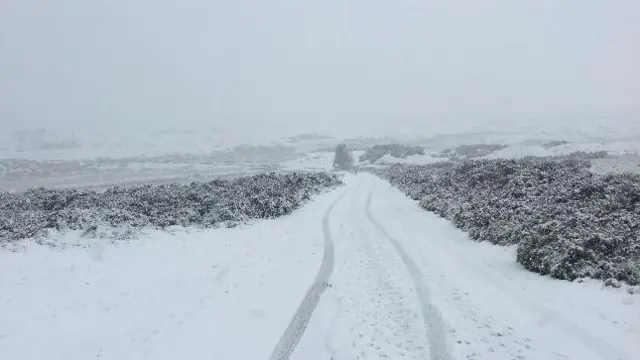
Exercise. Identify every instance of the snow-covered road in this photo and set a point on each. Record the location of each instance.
(359, 273)
(408, 285)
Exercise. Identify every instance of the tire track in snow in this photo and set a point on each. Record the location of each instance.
(431, 316)
(300, 320)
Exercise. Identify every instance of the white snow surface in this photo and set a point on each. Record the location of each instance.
(405, 285)
(212, 294)
(315, 161)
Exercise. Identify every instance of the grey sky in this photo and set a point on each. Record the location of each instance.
(284, 66)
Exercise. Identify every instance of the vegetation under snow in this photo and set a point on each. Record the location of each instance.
(567, 222)
(207, 204)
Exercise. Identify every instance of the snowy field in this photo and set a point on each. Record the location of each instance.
(190, 294)
(403, 284)
(361, 272)
(177, 180)
(55, 159)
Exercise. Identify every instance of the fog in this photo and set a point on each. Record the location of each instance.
(338, 67)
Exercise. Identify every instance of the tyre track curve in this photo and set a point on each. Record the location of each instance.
(433, 322)
(298, 324)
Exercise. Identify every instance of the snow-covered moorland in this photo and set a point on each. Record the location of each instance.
(268, 195)
(567, 222)
(400, 151)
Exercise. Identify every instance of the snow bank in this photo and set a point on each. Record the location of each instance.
(567, 221)
(34, 212)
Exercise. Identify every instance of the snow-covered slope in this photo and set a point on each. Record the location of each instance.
(403, 284)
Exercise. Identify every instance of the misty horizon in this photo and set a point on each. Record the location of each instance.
(338, 68)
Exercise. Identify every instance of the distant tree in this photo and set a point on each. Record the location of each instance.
(343, 159)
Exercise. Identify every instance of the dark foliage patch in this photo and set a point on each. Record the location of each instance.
(567, 222)
(208, 204)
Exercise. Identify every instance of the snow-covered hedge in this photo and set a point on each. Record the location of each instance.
(399, 151)
(567, 222)
(267, 195)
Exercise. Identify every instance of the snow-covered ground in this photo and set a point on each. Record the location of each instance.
(403, 284)
(314, 161)
(617, 164)
(138, 174)
(623, 155)
(522, 150)
(412, 159)
(214, 294)
(56, 159)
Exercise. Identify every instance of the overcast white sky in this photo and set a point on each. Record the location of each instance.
(284, 66)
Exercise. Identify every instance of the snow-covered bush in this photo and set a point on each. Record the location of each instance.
(267, 195)
(568, 222)
(399, 151)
